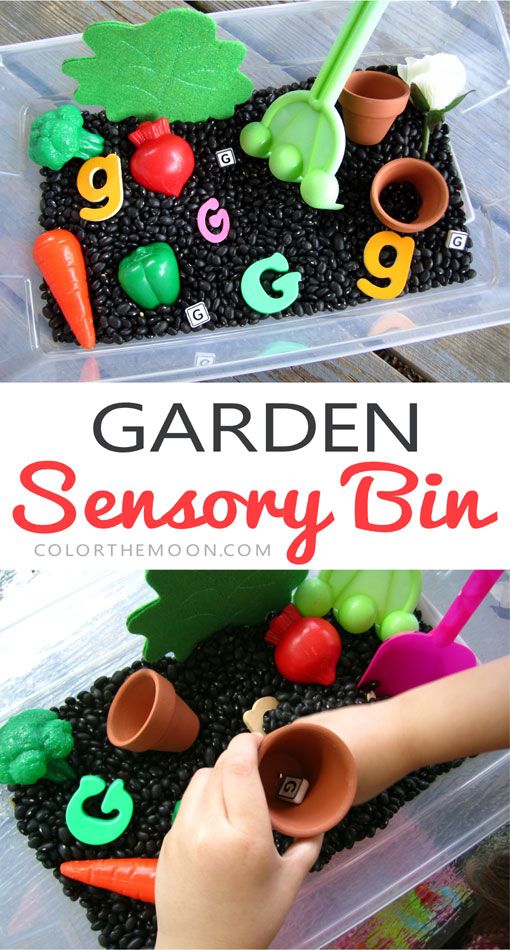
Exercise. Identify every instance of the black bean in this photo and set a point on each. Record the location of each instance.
(266, 216)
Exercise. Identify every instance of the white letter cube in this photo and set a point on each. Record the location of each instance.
(456, 240)
(225, 157)
(197, 314)
(293, 789)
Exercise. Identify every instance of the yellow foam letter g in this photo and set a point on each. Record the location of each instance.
(397, 273)
(112, 188)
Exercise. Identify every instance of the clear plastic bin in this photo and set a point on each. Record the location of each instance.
(285, 43)
(50, 630)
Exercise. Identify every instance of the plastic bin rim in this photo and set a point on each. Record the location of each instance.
(219, 15)
(215, 15)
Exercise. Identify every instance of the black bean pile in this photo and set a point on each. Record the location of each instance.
(221, 680)
(401, 201)
(266, 216)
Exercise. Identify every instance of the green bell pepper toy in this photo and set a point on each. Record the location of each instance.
(150, 275)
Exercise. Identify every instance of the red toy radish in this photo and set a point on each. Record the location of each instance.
(307, 648)
(162, 161)
(132, 877)
(59, 257)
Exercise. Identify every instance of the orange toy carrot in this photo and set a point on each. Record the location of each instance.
(132, 877)
(59, 257)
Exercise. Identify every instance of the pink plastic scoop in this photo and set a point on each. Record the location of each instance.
(411, 659)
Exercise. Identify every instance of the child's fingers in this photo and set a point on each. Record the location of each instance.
(301, 856)
(213, 803)
(193, 797)
(243, 794)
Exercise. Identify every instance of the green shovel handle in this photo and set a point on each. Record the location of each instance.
(361, 22)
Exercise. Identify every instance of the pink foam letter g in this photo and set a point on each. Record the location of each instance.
(219, 220)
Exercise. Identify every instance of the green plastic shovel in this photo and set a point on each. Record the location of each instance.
(302, 133)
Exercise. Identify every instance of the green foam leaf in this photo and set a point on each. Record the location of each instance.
(192, 605)
(172, 66)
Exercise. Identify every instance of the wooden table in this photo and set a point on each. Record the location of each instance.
(480, 356)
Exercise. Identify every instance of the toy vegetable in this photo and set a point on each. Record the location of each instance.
(307, 648)
(132, 877)
(150, 275)
(360, 599)
(162, 161)
(58, 136)
(59, 257)
(33, 745)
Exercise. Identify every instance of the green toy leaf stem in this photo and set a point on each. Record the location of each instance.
(456, 102)
(431, 117)
(418, 99)
(435, 116)
(426, 137)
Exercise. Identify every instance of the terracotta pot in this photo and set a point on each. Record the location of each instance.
(429, 183)
(371, 101)
(305, 750)
(147, 713)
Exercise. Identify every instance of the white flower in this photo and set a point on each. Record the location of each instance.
(441, 78)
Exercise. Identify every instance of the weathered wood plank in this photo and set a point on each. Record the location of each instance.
(137, 12)
(368, 368)
(481, 356)
(212, 6)
(33, 20)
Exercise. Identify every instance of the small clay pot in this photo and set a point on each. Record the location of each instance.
(305, 750)
(371, 101)
(429, 183)
(147, 713)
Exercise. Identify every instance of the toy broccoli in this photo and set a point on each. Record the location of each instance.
(33, 745)
(58, 135)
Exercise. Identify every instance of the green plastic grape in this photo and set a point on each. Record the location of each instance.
(256, 139)
(398, 622)
(286, 162)
(313, 598)
(363, 599)
(356, 614)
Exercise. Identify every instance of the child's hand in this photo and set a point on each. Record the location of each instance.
(220, 881)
